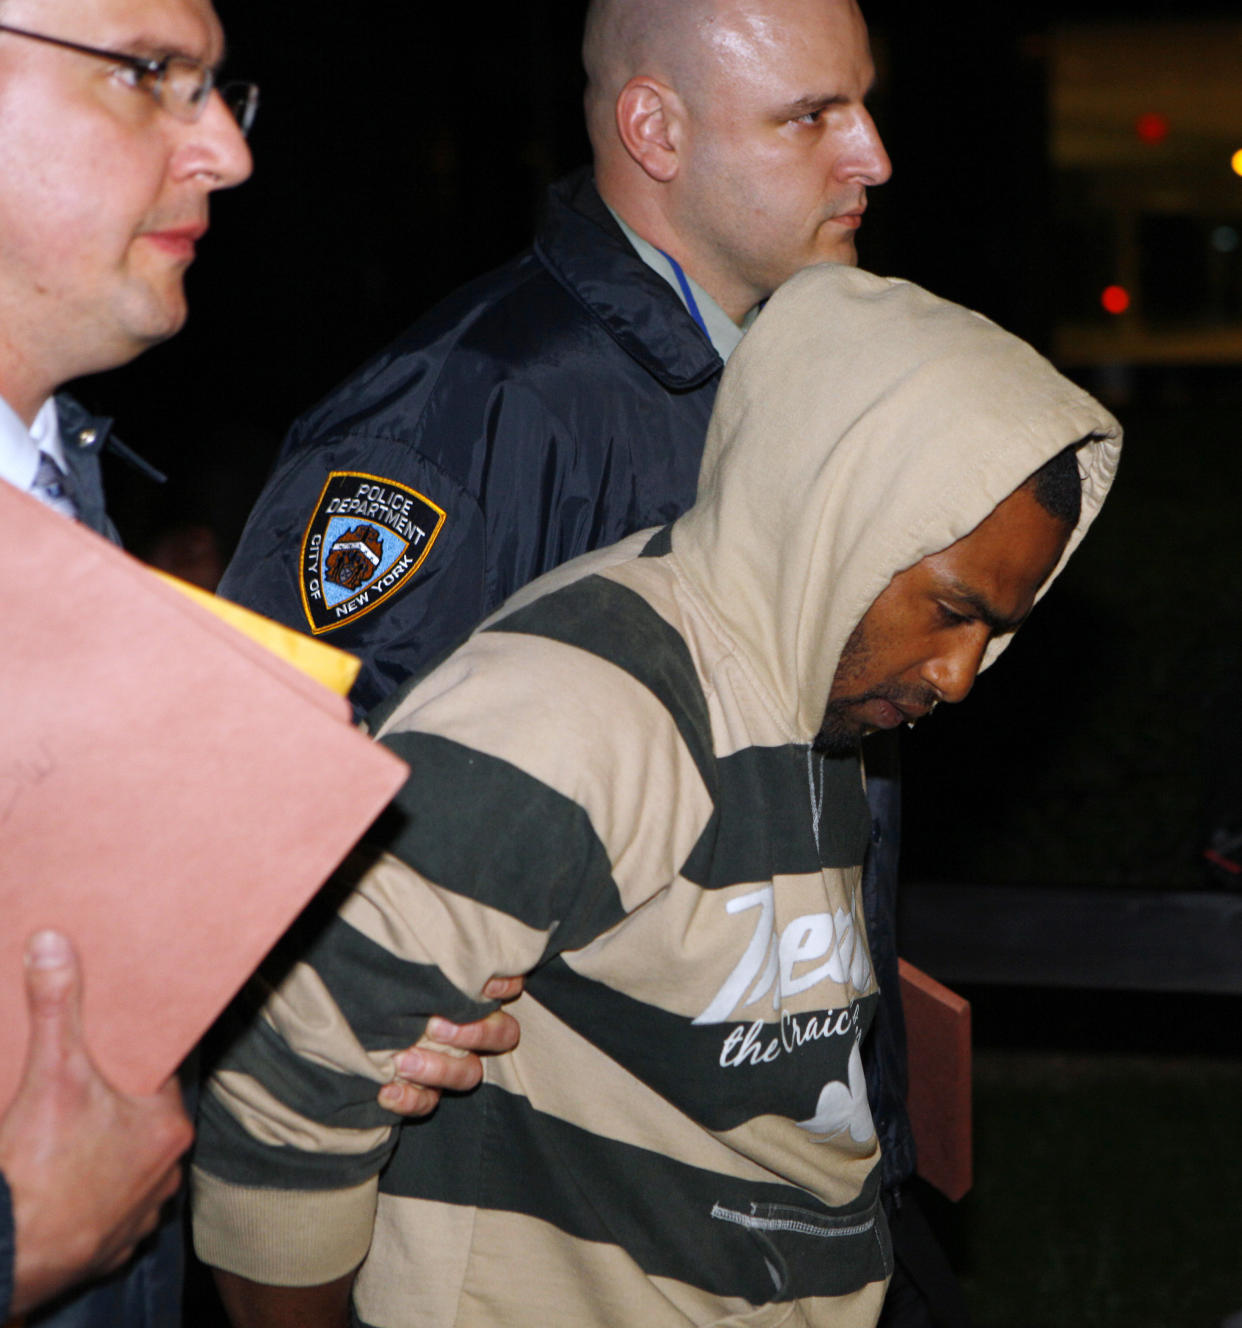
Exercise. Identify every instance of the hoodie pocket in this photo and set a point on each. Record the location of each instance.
(798, 1246)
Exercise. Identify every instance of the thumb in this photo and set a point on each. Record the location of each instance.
(53, 998)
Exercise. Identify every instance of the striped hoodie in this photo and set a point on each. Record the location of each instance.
(613, 790)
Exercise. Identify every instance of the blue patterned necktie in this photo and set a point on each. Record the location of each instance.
(51, 486)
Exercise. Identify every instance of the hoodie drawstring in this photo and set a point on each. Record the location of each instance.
(817, 794)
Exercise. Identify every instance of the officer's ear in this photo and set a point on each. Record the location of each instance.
(650, 121)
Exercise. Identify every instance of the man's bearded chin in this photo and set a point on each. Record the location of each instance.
(841, 734)
(838, 735)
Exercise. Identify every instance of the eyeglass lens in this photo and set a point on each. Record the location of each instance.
(187, 84)
(242, 99)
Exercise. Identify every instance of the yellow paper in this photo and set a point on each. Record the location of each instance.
(333, 668)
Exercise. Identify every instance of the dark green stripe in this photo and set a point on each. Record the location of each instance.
(845, 818)
(488, 831)
(682, 1061)
(618, 625)
(385, 999)
(762, 826)
(227, 1151)
(494, 1150)
(660, 544)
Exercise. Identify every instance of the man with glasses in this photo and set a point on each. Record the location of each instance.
(113, 140)
(115, 134)
(179, 84)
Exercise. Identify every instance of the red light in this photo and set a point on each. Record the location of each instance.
(1151, 127)
(1115, 299)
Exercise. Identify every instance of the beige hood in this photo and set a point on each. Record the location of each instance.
(862, 424)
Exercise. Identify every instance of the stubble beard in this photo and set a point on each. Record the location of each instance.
(841, 734)
(838, 735)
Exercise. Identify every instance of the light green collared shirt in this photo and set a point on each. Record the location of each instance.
(722, 331)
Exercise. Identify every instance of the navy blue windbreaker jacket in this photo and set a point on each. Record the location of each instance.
(548, 408)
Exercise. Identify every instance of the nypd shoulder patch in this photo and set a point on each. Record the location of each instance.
(365, 539)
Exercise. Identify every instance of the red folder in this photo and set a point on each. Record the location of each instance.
(171, 794)
(939, 1097)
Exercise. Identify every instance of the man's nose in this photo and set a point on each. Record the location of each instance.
(227, 143)
(212, 147)
(952, 673)
(866, 160)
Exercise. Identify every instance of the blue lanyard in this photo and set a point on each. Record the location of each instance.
(687, 293)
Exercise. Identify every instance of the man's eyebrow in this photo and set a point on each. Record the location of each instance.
(996, 623)
(151, 47)
(820, 101)
(814, 101)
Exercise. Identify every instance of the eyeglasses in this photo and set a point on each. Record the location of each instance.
(179, 84)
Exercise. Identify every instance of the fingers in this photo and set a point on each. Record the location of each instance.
(492, 1036)
(428, 1067)
(503, 989)
(427, 1071)
(406, 1099)
(53, 1000)
(88, 1167)
(53, 983)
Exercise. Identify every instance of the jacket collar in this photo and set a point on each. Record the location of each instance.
(84, 437)
(80, 431)
(634, 304)
(90, 434)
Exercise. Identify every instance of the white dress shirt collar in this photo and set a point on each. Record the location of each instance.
(20, 447)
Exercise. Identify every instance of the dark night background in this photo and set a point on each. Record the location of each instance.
(396, 158)
(403, 148)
